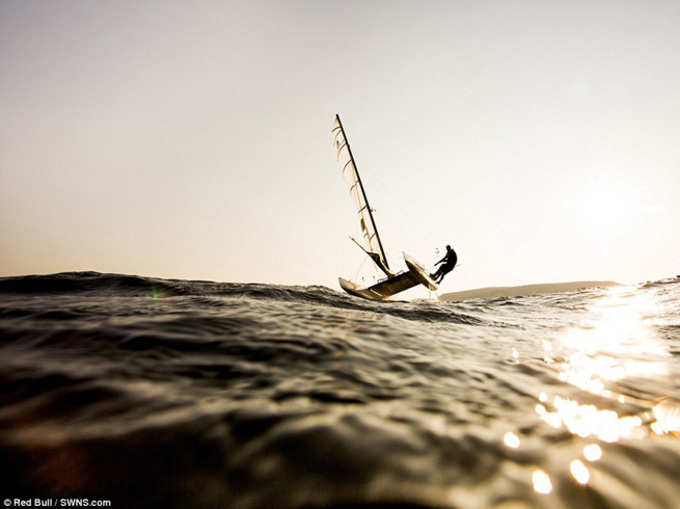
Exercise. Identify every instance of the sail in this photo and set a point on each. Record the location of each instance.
(370, 238)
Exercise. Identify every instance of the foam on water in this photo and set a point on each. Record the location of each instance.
(155, 392)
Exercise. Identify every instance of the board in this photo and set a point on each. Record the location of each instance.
(419, 273)
(384, 289)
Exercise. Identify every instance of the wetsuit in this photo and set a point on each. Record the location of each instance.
(449, 260)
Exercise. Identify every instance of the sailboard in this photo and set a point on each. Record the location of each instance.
(370, 242)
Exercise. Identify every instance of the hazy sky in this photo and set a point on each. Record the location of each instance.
(192, 139)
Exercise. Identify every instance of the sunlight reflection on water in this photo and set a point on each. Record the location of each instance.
(541, 482)
(579, 471)
(592, 452)
(618, 343)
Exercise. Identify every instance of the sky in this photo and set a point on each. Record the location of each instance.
(192, 139)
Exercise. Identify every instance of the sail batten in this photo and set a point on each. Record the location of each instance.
(371, 244)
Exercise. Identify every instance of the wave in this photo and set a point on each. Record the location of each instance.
(90, 283)
(661, 282)
(136, 387)
(81, 282)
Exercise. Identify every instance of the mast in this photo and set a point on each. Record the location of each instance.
(363, 192)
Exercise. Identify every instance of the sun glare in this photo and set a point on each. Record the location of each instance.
(618, 343)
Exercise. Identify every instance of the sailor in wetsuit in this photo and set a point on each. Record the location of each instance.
(450, 259)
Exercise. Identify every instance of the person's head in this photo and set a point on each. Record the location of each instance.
(448, 248)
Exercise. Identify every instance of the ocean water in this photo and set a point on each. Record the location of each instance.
(165, 393)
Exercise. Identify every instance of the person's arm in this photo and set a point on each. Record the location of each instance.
(442, 260)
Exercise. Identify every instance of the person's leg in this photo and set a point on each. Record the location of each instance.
(445, 270)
